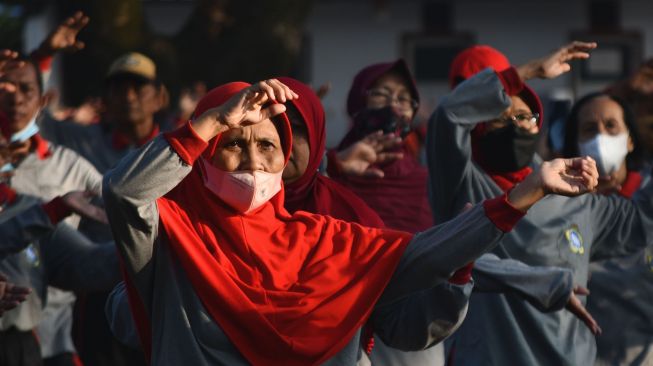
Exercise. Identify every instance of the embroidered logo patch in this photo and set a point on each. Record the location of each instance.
(32, 254)
(575, 240)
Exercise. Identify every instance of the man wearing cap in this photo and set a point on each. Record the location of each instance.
(132, 96)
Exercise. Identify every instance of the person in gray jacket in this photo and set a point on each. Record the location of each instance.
(604, 127)
(481, 139)
(189, 304)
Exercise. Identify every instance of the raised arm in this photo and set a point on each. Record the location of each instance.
(433, 255)
(131, 189)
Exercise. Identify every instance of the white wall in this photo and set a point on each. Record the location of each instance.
(348, 35)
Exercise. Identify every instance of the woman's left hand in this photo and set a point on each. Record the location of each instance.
(244, 108)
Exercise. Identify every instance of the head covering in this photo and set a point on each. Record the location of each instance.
(133, 63)
(400, 197)
(470, 62)
(314, 192)
(287, 290)
(363, 81)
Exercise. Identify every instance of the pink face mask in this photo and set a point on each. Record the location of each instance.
(244, 191)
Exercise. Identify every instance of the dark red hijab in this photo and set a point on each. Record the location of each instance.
(400, 197)
(286, 290)
(314, 192)
(470, 62)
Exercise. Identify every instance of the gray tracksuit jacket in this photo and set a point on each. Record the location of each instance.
(183, 332)
(504, 329)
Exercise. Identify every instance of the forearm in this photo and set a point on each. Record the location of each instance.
(131, 190)
(73, 262)
(19, 231)
(433, 255)
(547, 288)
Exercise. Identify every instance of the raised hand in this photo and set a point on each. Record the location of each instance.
(376, 148)
(11, 295)
(566, 177)
(64, 37)
(245, 108)
(7, 62)
(575, 306)
(79, 202)
(556, 63)
(569, 177)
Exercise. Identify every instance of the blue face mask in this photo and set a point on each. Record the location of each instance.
(7, 168)
(23, 135)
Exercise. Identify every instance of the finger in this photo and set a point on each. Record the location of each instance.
(389, 157)
(79, 45)
(266, 89)
(373, 173)
(279, 90)
(583, 45)
(270, 112)
(391, 141)
(18, 290)
(580, 290)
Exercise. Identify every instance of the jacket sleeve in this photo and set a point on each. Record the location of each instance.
(27, 223)
(120, 318)
(482, 97)
(434, 255)
(132, 188)
(73, 262)
(546, 288)
(423, 319)
(621, 226)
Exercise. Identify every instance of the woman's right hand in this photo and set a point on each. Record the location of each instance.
(566, 177)
(244, 108)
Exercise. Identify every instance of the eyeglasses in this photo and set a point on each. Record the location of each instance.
(521, 120)
(384, 97)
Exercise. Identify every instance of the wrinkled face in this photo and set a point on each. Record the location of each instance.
(518, 113)
(301, 151)
(21, 105)
(601, 115)
(392, 90)
(131, 101)
(250, 148)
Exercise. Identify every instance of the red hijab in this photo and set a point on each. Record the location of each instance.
(470, 62)
(314, 192)
(286, 290)
(400, 197)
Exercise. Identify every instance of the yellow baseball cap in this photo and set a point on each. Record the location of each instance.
(133, 63)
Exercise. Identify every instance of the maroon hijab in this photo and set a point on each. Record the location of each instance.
(313, 192)
(400, 197)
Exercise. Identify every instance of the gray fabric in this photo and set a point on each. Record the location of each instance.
(546, 288)
(182, 330)
(21, 223)
(444, 307)
(622, 304)
(505, 329)
(58, 174)
(93, 142)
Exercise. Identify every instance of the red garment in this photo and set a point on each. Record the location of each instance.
(400, 197)
(473, 60)
(121, 141)
(287, 290)
(313, 192)
(631, 184)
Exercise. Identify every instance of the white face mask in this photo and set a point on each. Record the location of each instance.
(608, 151)
(23, 135)
(244, 191)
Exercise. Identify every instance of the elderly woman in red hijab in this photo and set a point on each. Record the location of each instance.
(218, 272)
